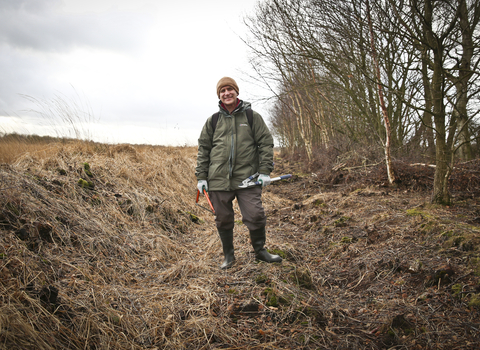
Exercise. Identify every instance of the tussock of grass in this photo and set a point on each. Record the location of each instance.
(117, 253)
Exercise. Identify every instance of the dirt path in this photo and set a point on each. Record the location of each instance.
(365, 268)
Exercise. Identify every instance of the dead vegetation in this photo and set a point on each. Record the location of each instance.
(104, 248)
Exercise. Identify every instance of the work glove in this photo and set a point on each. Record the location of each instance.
(264, 179)
(202, 184)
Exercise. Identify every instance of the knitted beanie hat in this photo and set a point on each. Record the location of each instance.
(224, 82)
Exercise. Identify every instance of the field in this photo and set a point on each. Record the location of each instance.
(103, 247)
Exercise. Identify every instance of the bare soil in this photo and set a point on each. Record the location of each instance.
(367, 266)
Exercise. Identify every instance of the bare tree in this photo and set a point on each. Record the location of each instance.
(386, 72)
(432, 27)
(468, 17)
(386, 120)
(328, 43)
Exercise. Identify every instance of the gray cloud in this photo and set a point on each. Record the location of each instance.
(39, 25)
(28, 5)
(152, 67)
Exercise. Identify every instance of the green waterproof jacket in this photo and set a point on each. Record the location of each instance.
(235, 150)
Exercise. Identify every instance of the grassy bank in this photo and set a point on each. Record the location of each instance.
(102, 247)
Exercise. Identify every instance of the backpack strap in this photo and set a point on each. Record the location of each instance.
(216, 115)
(250, 117)
(215, 120)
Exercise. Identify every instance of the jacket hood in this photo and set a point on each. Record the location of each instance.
(241, 106)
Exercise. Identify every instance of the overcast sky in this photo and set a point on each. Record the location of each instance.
(140, 71)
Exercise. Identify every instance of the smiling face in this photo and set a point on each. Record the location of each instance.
(228, 96)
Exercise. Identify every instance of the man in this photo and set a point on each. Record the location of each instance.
(229, 151)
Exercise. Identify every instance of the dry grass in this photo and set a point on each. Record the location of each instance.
(12, 146)
(114, 252)
(129, 262)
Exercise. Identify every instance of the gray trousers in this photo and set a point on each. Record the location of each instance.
(250, 203)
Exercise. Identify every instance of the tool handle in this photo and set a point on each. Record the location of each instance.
(208, 199)
(283, 177)
(250, 178)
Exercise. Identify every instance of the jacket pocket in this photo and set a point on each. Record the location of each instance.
(217, 170)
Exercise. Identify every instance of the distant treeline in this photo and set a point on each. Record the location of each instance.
(14, 137)
(36, 139)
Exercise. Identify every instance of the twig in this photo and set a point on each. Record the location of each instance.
(423, 164)
(9, 188)
(341, 166)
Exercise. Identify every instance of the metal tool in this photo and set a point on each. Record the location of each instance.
(208, 200)
(248, 182)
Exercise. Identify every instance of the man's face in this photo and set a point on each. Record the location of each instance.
(228, 96)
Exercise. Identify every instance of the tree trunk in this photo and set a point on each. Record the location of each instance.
(303, 124)
(427, 114)
(464, 75)
(388, 131)
(441, 194)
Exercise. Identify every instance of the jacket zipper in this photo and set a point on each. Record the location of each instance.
(232, 148)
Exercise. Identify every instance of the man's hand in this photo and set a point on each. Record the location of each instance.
(264, 180)
(202, 184)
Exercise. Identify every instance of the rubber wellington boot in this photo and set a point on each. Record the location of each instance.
(258, 241)
(226, 236)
